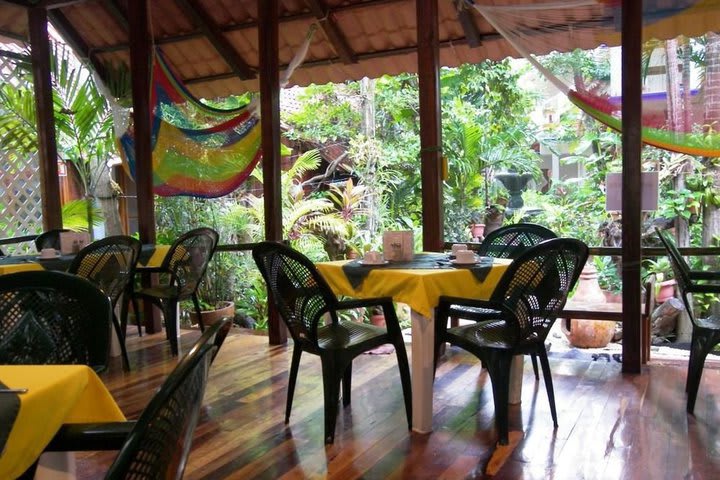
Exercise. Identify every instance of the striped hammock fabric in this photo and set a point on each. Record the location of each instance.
(197, 150)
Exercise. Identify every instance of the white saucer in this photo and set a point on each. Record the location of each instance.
(455, 262)
(369, 264)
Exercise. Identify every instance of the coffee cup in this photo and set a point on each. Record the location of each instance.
(456, 247)
(465, 256)
(372, 257)
(48, 253)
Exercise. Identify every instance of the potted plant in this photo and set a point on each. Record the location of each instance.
(494, 217)
(664, 278)
(609, 279)
(377, 316)
(477, 227)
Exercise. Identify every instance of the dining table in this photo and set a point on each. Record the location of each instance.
(151, 255)
(418, 283)
(36, 400)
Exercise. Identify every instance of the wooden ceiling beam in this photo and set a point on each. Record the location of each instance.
(208, 28)
(13, 36)
(73, 38)
(47, 4)
(252, 24)
(468, 24)
(332, 31)
(361, 56)
(118, 14)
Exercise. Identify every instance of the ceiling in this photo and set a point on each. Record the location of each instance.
(212, 45)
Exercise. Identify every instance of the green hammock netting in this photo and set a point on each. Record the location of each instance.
(197, 150)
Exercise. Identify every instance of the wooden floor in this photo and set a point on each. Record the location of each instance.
(612, 426)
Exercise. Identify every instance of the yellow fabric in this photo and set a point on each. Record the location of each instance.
(418, 288)
(56, 394)
(158, 256)
(19, 267)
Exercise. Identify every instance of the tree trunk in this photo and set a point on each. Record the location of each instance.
(711, 214)
(107, 200)
(673, 85)
(372, 200)
(686, 87)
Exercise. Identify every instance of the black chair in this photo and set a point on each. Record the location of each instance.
(528, 298)
(509, 241)
(184, 265)
(705, 331)
(110, 264)
(49, 239)
(49, 317)
(304, 300)
(158, 443)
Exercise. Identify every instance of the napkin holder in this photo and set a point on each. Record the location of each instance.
(398, 246)
(73, 242)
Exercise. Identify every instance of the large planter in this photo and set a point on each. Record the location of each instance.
(665, 290)
(378, 319)
(477, 230)
(223, 309)
(587, 333)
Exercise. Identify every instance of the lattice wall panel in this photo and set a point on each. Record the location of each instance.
(20, 201)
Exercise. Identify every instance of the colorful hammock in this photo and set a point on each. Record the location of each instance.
(197, 150)
(549, 27)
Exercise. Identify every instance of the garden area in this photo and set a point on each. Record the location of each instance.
(352, 169)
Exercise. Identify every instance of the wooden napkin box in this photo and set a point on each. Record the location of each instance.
(73, 242)
(398, 246)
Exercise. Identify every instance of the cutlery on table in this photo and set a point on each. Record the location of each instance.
(13, 390)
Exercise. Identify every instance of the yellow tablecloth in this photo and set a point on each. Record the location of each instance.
(57, 394)
(418, 288)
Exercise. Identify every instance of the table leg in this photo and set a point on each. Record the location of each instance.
(516, 378)
(422, 343)
(56, 466)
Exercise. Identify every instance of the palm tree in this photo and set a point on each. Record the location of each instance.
(83, 121)
(307, 220)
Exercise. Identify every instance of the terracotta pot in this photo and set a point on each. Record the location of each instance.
(665, 290)
(611, 297)
(209, 317)
(477, 230)
(378, 320)
(589, 333)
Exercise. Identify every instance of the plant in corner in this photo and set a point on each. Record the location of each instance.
(664, 276)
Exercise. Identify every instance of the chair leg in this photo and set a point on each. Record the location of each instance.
(548, 382)
(346, 384)
(294, 365)
(331, 392)
(121, 339)
(533, 359)
(196, 302)
(404, 368)
(170, 314)
(136, 311)
(699, 348)
(498, 366)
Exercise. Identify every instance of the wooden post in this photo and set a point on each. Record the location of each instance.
(47, 146)
(430, 129)
(270, 114)
(140, 61)
(631, 183)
